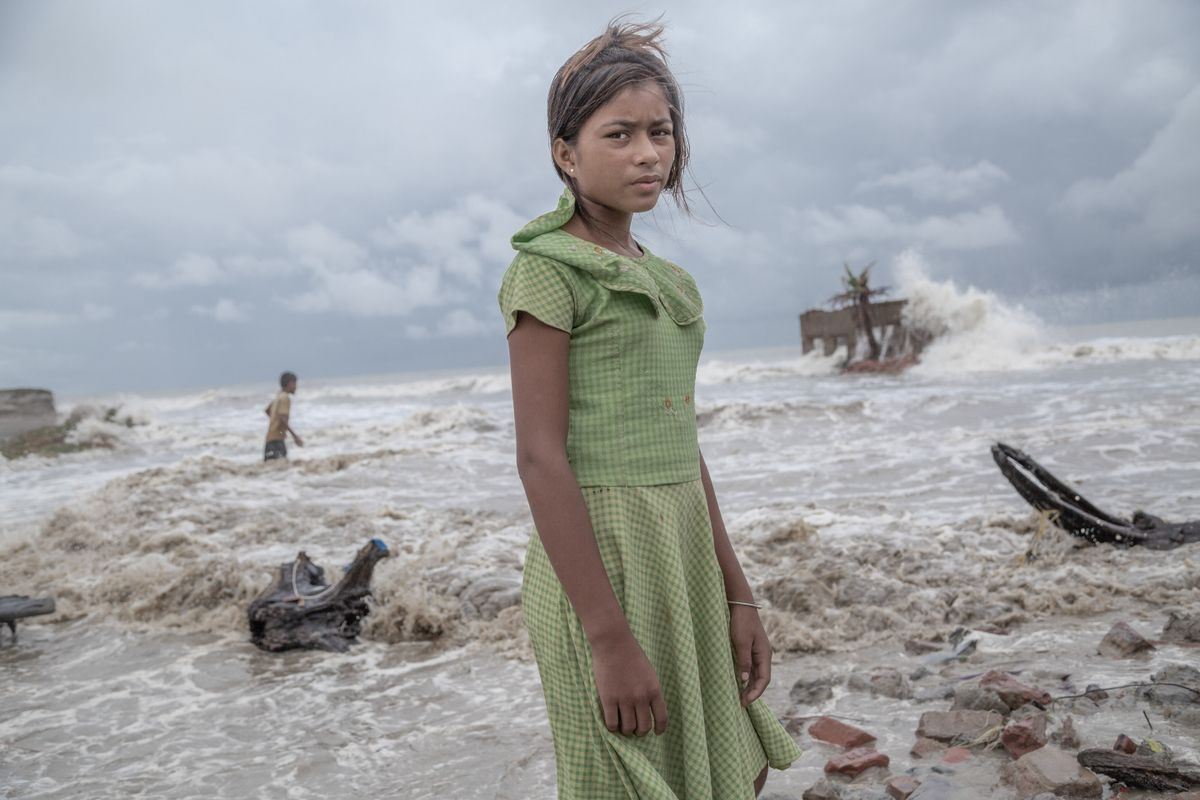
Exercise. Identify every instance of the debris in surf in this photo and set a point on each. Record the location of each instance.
(14, 607)
(301, 610)
(1181, 627)
(1122, 641)
(1157, 771)
(1012, 740)
(876, 336)
(812, 690)
(857, 761)
(1051, 770)
(832, 731)
(886, 681)
(957, 726)
(1025, 735)
(960, 649)
(1075, 515)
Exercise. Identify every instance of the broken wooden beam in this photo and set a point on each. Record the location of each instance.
(1141, 772)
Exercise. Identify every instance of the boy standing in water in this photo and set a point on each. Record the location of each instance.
(278, 410)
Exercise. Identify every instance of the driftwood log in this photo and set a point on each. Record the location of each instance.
(1141, 772)
(1075, 515)
(301, 610)
(17, 606)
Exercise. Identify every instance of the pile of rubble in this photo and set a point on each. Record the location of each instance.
(1004, 738)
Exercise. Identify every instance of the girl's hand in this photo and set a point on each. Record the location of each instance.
(752, 652)
(630, 696)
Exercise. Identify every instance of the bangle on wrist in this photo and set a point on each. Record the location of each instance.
(742, 603)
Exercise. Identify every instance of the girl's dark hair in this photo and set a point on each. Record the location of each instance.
(625, 54)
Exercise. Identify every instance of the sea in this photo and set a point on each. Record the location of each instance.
(866, 509)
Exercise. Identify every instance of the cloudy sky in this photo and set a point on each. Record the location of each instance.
(200, 194)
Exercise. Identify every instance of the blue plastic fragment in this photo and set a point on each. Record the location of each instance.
(380, 544)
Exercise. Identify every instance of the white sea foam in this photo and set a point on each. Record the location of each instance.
(977, 331)
(455, 419)
(732, 416)
(723, 371)
(457, 386)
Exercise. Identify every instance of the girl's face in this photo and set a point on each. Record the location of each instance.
(624, 152)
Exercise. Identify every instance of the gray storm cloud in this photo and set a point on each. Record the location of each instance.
(193, 195)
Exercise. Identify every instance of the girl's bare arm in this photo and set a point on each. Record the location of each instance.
(752, 649)
(630, 695)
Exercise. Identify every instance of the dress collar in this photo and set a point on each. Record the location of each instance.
(660, 280)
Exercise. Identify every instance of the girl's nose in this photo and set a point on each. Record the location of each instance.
(646, 152)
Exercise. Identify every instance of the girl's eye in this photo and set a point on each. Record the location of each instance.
(662, 132)
(619, 135)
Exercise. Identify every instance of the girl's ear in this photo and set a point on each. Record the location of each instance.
(563, 154)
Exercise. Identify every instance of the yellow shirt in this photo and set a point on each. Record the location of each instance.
(279, 409)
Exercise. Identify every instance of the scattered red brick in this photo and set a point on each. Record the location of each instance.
(856, 761)
(963, 726)
(887, 365)
(925, 747)
(901, 786)
(828, 729)
(1024, 736)
(1051, 770)
(1014, 693)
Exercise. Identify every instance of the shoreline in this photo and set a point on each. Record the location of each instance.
(477, 682)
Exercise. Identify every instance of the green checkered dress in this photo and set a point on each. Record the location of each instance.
(636, 334)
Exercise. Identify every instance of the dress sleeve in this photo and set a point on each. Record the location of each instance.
(540, 287)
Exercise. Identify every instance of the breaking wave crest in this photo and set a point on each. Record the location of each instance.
(813, 364)
(468, 385)
(450, 419)
(738, 415)
(189, 546)
(835, 592)
(977, 331)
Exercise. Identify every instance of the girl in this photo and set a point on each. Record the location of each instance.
(632, 592)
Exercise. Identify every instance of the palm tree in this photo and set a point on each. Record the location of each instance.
(858, 293)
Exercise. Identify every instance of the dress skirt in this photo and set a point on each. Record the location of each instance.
(657, 546)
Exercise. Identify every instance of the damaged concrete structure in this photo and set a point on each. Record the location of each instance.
(840, 327)
(24, 410)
